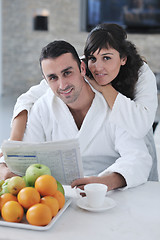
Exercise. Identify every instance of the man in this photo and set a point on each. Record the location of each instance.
(72, 109)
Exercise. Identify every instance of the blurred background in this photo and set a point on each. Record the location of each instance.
(27, 26)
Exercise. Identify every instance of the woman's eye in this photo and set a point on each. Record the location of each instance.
(92, 59)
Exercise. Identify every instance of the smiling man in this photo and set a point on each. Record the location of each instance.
(72, 109)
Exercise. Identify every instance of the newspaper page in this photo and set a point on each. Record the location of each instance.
(62, 157)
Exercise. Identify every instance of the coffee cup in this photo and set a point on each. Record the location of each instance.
(95, 194)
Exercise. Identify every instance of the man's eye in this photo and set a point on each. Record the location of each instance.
(53, 78)
(67, 73)
(106, 58)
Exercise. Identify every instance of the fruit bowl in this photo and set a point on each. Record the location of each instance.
(26, 225)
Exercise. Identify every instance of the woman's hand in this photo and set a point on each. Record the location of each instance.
(108, 92)
(95, 85)
(19, 126)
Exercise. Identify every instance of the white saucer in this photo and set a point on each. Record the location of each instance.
(108, 203)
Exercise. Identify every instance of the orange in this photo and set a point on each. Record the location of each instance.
(46, 185)
(39, 215)
(12, 211)
(52, 203)
(28, 196)
(60, 197)
(5, 198)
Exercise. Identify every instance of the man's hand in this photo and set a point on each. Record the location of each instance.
(80, 182)
(112, 180)
(5, 172)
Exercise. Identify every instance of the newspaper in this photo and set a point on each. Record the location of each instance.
(62, 157)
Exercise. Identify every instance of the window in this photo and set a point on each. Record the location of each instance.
(128, 13)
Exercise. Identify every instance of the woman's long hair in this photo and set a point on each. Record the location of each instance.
(114, 36)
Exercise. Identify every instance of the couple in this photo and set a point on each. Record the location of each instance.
(107, 122)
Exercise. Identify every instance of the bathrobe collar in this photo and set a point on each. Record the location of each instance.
(92, 123)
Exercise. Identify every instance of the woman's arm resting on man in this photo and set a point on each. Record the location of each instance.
(19, 126)
(108, 92)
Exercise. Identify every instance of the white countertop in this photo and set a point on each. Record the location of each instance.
(135, 217)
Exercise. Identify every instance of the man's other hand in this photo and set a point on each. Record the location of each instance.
(5, 172)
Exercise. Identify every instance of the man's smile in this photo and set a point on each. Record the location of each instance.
(65, 91)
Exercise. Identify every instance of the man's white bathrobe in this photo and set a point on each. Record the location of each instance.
(104, 146)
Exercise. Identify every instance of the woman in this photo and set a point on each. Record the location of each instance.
(128, 87)
(119, 73)
(116, 70)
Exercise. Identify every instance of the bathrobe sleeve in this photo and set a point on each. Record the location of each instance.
(26, 100)
(137, 116)
(134, 162)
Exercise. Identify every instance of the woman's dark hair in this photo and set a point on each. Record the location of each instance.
(114, 36)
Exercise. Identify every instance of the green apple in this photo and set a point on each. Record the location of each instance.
(34, 171)
(27, 184)
(60, 187)
(15, 184)
(1, 182)
(4, 187)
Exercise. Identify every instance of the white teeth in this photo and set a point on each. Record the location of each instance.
(68, 91)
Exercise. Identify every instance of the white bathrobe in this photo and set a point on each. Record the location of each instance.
(104, 146)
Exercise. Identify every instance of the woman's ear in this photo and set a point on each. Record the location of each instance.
(123, 61)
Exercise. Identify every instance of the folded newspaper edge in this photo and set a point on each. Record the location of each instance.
(62, 157)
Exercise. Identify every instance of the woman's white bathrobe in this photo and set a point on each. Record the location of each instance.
(104, 146)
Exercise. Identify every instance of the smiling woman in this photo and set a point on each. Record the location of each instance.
(105, 65)
(107, 51)
(117, 70)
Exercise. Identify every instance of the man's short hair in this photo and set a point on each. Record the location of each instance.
(58, 48)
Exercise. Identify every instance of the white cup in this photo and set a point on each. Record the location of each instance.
(95, 193)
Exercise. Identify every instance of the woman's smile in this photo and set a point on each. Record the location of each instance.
(105, 65)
